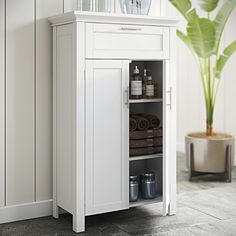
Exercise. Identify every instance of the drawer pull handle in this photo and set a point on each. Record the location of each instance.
(127, 96)
(130, 29)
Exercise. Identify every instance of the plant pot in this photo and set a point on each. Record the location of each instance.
(210, 154)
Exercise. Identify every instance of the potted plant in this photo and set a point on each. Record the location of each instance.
(209, 151)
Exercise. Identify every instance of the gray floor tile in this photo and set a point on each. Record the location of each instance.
(222, 228)
(156, 223)
(215, 203)
(204, 207)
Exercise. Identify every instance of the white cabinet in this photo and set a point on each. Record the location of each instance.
(126, 41)
(94, 55)
(106, 136)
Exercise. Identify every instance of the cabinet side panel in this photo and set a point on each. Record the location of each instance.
(44, 9)
(65, 109)
(2, 102)
(172, 136)
(20, 165)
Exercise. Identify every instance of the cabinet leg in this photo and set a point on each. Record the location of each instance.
(55, 210)
(78, 223)
(172, 209)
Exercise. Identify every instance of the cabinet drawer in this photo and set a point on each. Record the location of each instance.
(126, 41)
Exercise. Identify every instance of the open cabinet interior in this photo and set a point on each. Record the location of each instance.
(146, 141)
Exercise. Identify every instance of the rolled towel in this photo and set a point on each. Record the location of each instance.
(146, 134)
(132, 124)
(139, 143)
(142, 122)
(154, 121)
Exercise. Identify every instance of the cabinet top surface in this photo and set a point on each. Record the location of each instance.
(95, 17)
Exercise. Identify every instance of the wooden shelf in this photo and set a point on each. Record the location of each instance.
(137, 158)
(142, 202)
(132, 101)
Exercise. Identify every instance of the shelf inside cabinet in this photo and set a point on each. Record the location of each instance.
(137, 158)
(142, 202)
(132, 101)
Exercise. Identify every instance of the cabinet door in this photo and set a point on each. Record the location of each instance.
(169, 152)
(107, 116)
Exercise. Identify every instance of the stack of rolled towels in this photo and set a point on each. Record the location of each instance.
(145, 135)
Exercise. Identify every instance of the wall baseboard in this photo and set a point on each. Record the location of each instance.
(25, 211)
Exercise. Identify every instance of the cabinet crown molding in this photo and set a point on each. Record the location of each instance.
(96, 17)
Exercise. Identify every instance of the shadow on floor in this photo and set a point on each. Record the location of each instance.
(204, 207)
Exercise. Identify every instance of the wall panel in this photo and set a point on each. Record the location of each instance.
(20, 177)
(2, 102)
(190, 100)
(70, 5)
(44, 9)
(230, 81)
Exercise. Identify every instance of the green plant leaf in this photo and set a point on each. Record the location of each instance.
(184, 7)
(192, 14)
(184, 38)
(221, 19)
(227, 53)
(201, 32)
(208, 5)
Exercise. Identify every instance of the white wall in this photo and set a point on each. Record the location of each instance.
(26, 100)
(190, 103)
(26, 96)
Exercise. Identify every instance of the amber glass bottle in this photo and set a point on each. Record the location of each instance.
(149, 86)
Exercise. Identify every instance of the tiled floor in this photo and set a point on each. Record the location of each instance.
(204, 207)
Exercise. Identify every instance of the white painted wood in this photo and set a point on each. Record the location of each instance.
(70, 5)
(97, 17)
(126, 41)
(78, 172)
(87, 164)
(44, 9)
(146, 157)
(166, 150)
(171, 123)
(20, 165)
(2, 103)
(54, 127)
(154, 100)
(169, 129)
(25, 211)
(142, 202)
(65, 117)
(107, 157)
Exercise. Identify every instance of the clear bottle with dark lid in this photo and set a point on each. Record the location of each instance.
(136, 84)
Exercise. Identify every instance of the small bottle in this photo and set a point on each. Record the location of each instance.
(144, 82)
(149, 87)
(136, 85)
(144, 76)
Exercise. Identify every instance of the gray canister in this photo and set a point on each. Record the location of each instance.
(148, 183)
(133, 188)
